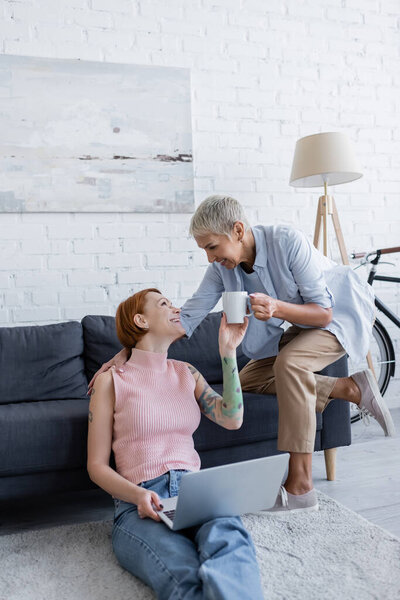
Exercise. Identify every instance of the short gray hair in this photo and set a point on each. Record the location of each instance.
(217, 214)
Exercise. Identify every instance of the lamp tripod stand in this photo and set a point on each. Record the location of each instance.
(327, 206)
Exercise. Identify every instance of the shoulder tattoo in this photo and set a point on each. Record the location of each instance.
(194, 372)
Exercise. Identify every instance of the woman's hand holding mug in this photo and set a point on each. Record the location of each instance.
(264, 307)
(230, 336)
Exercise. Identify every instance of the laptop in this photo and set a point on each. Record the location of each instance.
(225, 491)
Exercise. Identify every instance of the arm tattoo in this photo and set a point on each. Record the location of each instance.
(207, 398)
(208, 402)
(226, 409)
(232, 405)
(90, 412)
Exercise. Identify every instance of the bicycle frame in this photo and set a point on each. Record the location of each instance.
(386, 310)
(378, 303)
(382, 306)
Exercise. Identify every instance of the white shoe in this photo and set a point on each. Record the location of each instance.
(372, 402)
(287, 502)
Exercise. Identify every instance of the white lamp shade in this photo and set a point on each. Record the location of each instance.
(324, 157)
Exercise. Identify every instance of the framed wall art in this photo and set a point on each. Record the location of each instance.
(80, 136)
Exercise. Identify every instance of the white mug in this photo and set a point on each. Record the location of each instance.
(235, 306)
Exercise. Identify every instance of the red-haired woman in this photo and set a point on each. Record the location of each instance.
(147, 415)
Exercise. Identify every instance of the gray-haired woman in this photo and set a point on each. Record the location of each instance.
(330, 311)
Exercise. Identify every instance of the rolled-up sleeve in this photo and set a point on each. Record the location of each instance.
(203, 300)
(306, 269)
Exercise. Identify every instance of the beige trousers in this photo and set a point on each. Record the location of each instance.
(291, 376)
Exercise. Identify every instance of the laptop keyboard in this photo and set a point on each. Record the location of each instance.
(170, 514)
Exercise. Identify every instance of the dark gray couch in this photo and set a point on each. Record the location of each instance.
(43, 404)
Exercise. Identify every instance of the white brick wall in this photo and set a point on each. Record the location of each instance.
(263, 75)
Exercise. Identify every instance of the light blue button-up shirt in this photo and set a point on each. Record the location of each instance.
(291, 269)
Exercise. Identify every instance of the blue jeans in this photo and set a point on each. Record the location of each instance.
(215, 560)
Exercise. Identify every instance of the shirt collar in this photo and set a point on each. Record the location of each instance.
(155, 361)
(261, 248)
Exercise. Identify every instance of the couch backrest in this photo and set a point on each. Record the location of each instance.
(100, 342)
(42, 362)
(201, 350)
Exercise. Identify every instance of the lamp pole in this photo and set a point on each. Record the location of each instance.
(327, 206)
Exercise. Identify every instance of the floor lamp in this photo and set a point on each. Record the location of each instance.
(320, 160)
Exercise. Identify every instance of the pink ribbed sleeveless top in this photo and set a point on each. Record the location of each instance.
(155, 416)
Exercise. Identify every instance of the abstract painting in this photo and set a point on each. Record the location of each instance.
(80, 136)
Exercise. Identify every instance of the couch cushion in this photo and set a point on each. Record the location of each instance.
(42, 362)
(52, 435)
(101, 342)
(201, 350)
(43, 436)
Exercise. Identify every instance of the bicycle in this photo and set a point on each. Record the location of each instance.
(382, 349)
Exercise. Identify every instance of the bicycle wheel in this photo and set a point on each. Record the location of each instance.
(382, 357)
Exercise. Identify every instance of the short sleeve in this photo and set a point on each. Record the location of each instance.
(306, 268)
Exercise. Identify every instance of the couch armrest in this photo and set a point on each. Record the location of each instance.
(336, 430)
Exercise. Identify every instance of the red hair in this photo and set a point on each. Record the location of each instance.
(127, 331)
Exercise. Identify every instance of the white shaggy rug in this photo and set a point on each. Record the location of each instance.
(330, 554)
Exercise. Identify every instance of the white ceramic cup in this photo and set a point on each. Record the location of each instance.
(235, 305)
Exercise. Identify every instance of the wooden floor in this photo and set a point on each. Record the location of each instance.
(367, 474)
(367, 481)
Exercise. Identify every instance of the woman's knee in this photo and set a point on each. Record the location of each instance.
(165, 564)
(223, 535)
(137, 557)
(286, 363)
(130, 551)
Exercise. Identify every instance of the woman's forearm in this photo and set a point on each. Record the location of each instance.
(232, 397)
(113, 483)
(303, 314)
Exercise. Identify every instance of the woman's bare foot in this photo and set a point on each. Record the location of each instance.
(346, 389)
